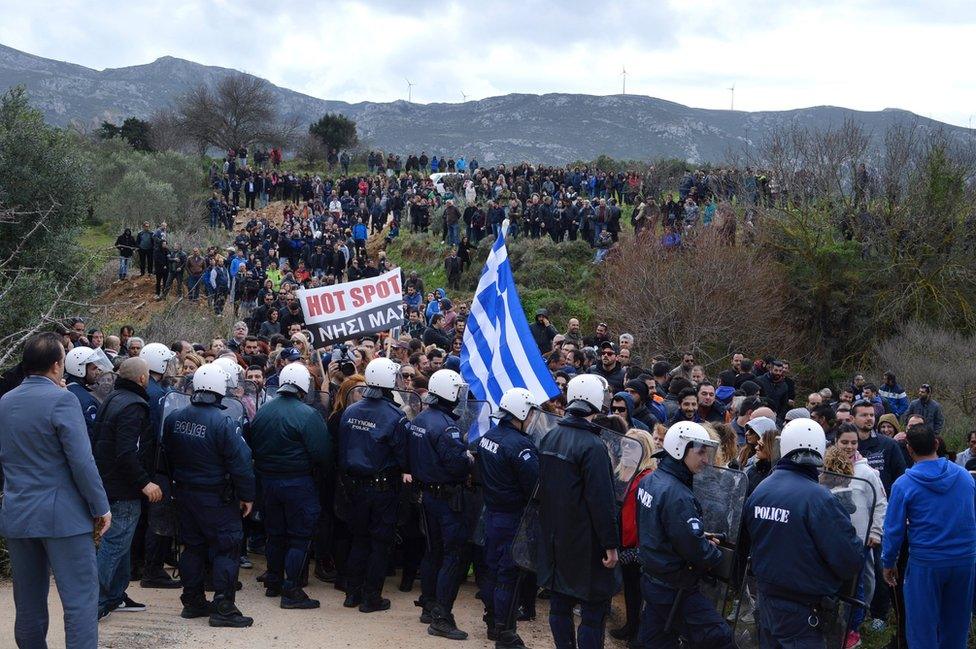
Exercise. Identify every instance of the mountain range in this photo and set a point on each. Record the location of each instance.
(550, 128)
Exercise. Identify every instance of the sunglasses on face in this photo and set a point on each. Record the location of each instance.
(607, 352)
(618, 408)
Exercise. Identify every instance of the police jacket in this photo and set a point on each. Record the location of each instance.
(157, 395)
(508, 465)
(124, 445)
(803, 542)
(577, 512)
(205, 449)
(89, 404)
(372, 438)
(437, 453)
(288, 439)
(673, 547)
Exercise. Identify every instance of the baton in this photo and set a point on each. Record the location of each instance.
(679, 599)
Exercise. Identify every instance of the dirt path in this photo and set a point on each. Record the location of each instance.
(160, 626)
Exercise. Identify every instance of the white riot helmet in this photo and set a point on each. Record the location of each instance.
(683, 433)
(77, 360)
(231, 368)
(295, 376)
(446, 384)
(382, 373)
(589, 389)
(805, 439)
(517, 402)
(210, 378)
(157, 357)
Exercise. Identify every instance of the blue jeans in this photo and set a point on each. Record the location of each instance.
(860, 612)
(124, 266)
(453, 234)
(113, 553)
(593, 618)
(291, 510)
(193, 283)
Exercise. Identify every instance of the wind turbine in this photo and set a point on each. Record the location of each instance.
(624, 75)
(409, 90)
(732, 96)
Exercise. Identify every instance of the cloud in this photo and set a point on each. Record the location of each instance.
(865, 54)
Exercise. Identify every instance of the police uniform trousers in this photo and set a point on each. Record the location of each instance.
(447, 532)
(291, 511)
(501, 576)
(787, 624)
(209, 524)
(696, 620)
(372, 521)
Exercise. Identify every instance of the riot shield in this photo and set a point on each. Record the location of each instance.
(858, 498)
(469, 413)
(407, 400)
(174, 401)
(626, 455)
(721, 492)
(104, 385)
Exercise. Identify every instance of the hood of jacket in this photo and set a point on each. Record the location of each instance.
(936, 475)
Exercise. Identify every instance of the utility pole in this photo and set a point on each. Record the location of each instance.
(732, 97)
(464, 96)
(624, 75)
(409, 91)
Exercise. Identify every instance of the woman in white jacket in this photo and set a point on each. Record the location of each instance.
(868, 506)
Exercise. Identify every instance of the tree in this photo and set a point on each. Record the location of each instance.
(44, 194)
(335, 131)
(241, 110)
(133, 130)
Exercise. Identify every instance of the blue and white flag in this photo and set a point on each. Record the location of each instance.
(498, 351)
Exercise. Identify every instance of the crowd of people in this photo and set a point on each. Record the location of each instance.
(311, 439)
(335, 452)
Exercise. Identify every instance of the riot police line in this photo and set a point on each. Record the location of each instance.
(705, 550)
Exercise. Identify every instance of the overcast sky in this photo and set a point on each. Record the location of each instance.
(863, 54)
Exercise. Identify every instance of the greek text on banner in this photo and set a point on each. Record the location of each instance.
(353, 309)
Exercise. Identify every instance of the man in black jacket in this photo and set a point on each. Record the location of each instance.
(125, 453)
(579, 536)
(542, 331)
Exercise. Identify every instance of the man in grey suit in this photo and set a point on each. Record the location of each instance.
(53, 500)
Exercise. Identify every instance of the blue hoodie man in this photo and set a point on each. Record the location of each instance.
(934, 502)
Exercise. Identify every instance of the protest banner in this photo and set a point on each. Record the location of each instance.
(353, 309)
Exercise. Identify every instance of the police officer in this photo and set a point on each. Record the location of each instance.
(440, 464)
(157, 357)
(213, 485)
(509, 467)
(579, 537)
(289, 440)
(804, 546)
(82, 370)
(372, 455)
(675, 551)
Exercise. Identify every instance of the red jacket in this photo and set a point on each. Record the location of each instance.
(628, 513)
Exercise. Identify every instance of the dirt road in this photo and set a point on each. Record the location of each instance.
(160, 626)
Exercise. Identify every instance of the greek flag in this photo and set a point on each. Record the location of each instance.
(498, 351)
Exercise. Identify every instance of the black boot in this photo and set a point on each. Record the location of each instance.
(354, 597)
(489, 620)
(226, 614)
(444, 625)
(372, 602)
(508, 639)
(406, 581)
(158, 578)
(425, 607)
(626, 632)
(195, 605)
(272, 591)
(298, 599)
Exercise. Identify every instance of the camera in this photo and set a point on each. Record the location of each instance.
(341, 355)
